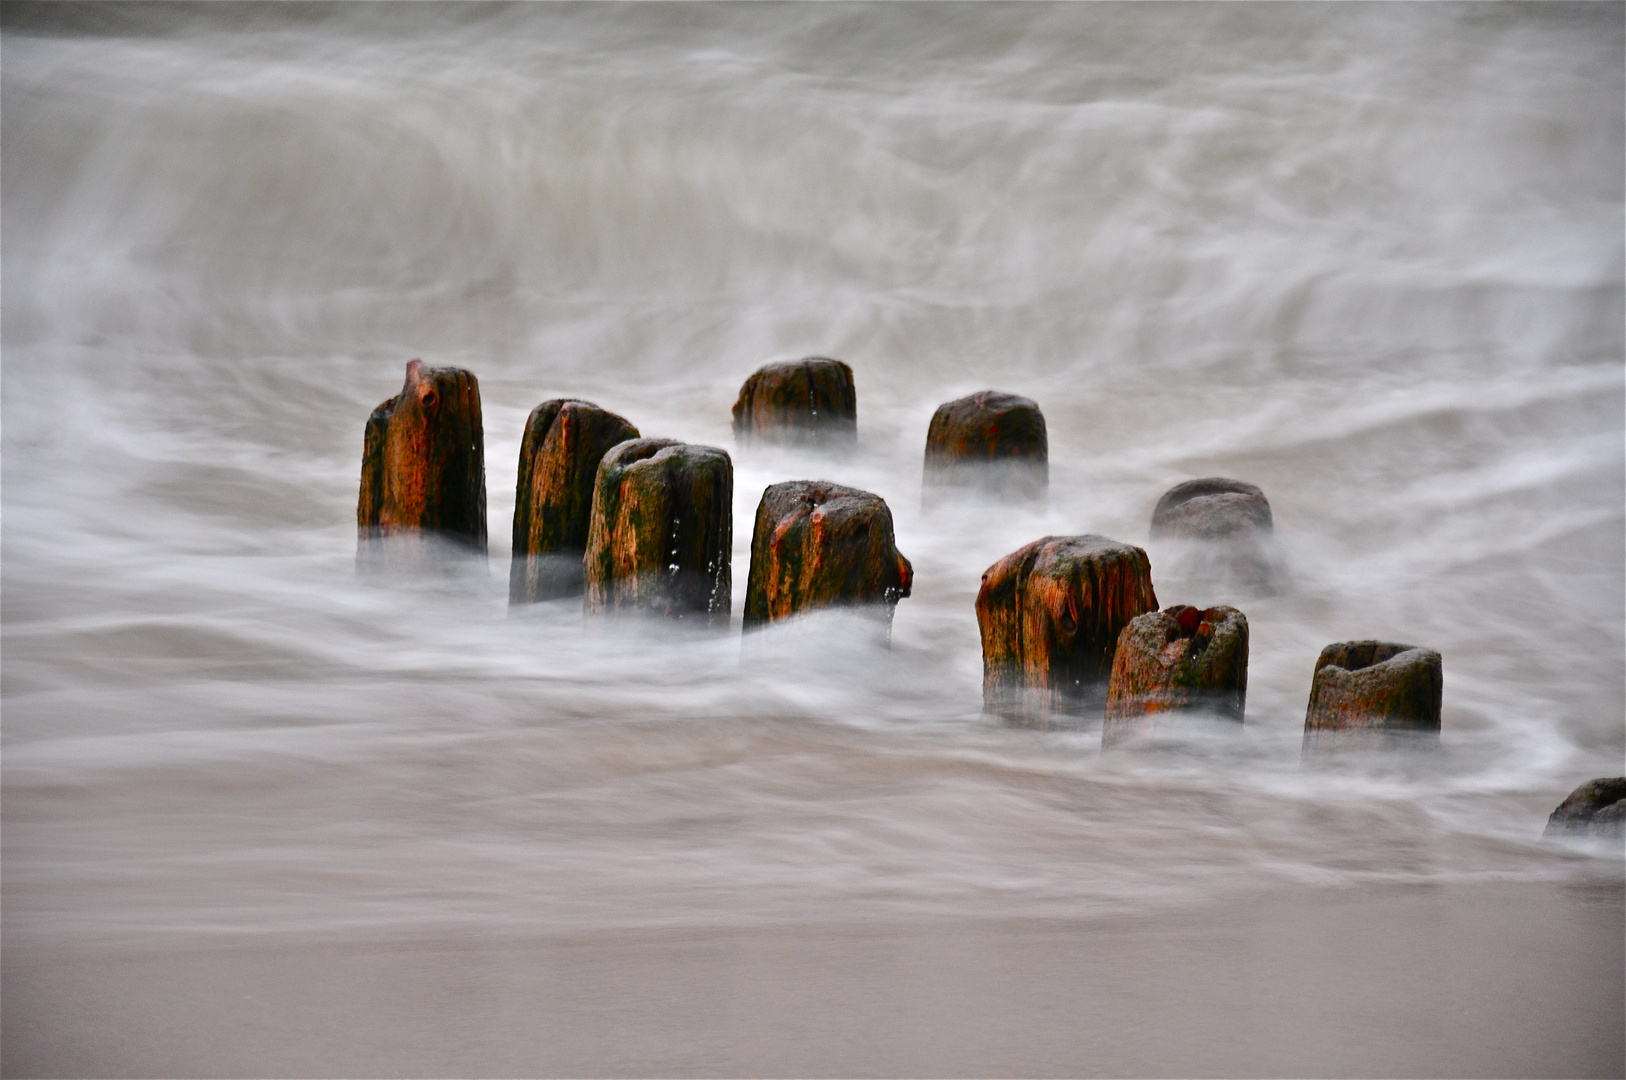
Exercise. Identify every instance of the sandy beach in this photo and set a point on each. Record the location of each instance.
(1455, 981)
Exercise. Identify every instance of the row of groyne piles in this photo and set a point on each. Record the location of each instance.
(1070, 625)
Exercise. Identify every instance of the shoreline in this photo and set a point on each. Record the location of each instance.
(1512, 979)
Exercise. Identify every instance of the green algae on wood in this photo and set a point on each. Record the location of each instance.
(423, 461)
(565, 439)
(1180, 659)
(817, 544)
(1373, 694)
(1050, 614)
(661, 535)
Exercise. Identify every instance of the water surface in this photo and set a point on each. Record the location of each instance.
(1367, 257)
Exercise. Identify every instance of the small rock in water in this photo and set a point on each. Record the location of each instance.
(1050, 614)
(1373, 694)
(662, 531)
(558, 461)
(1595, 809)
(990, 442)
(810, 401)
(1179, 659)
(818, 544)
(423, 463)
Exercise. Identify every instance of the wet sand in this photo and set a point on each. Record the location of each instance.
(1489, 980)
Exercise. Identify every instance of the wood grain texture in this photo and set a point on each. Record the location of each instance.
(817, 544)
(423, 460)
(565, 439)
(809, 401)
(1050, 614)
(991, 442)
(662, 527)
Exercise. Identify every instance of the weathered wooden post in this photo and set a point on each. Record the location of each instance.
(990, 442)
(1212, 508)
(662, 531)
(1180, 659)
(1050, 614)
(1596, 810)
(1222, 533)
(423, 462)
(553, 504)
(1373, 694)
(809, 402)
(818, 544)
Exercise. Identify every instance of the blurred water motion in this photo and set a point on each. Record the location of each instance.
(1368, 257)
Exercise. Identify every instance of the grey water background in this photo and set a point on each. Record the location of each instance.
(1368, 257)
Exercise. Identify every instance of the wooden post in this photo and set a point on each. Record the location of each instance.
(990, 442)
(1373, 694)
(818, 544)
(1211, 509)
(1596, 809)
(1219, 534)
(810, 401)
(662, 531)
(423, 461)
(1178, 659)
(553, 503)
(1050, 614)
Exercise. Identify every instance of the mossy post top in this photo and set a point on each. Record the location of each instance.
(1374, 686)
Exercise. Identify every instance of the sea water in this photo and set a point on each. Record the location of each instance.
(1369, 258)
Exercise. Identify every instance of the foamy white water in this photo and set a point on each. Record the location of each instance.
(1369, 258)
